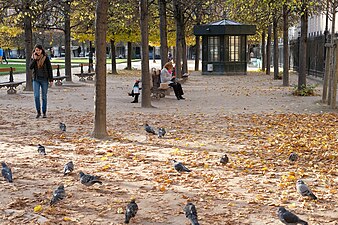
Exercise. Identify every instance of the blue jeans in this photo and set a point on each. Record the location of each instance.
(44, 88)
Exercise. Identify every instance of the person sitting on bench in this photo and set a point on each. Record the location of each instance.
(166, 77)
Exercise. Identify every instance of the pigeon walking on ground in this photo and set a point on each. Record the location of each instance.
(179, 167)
(89, 180)
(161, 132)
(191, 213)
(149, 129)
(62, 127)
(224, 160)
(289, 218)
(6, 172)
(304, 190)
(293, 157)
(131, 211)
(58, 195)
(41, 150)
(69, 167)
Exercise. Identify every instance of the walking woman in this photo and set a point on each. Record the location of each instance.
(42, 74)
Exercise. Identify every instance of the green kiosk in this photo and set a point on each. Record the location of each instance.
(224, 47)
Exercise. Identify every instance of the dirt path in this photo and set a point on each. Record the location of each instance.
(253, 119)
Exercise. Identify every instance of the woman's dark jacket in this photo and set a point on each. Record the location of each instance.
(47, 69)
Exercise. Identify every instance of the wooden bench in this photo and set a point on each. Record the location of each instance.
(11, 85)
(159, 90)
(82, 75)
(184, 78)
(58, 78)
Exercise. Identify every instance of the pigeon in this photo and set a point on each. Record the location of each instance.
(131, 211)
(41, 150)
(304, 190)
(6, 172)
(58, 195)
(89, 180)
(191, 213)
(161, 132)
(149, 129)
(62, 127)
(289, 218)
(224, 160)
(293, 157)
(69, 167)
(179, 167)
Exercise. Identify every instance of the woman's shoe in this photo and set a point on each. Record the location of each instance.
(38, 115)
(182, 97)
(44, 115)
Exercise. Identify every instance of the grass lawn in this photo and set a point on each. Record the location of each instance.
(74, 60)
(20, 67)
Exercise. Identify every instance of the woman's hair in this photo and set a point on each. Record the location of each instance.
(168, 65)
(39, 47)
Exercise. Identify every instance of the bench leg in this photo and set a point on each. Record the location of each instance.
(11, 90)
(90, 78)
(82, 79)
(58, 83)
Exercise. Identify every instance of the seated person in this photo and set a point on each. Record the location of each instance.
(166, 77)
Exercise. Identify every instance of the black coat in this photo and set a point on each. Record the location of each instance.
(47, 69)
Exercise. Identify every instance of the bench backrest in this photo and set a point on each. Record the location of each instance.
(7, 69)
(10, 70)
(57, 67)
(90, 65)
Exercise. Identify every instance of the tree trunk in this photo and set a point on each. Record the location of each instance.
(302, 50)
(29, 48)
(268, 52)
(113, 57)
(68, 65)
(129, 55)
(332, 54)
(184, 57)
(275, 48)
(154, 60)
(144, 21)
(90, 56)
(100, 124)
(334, 80)
(286, 66)
(263, 51)
(326, 74)
(162, 5)
(326, 54)
(197, 53)
(179, 37)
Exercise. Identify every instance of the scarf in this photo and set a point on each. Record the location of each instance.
(40, 60)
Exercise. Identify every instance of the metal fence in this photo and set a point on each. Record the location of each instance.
(315, 55)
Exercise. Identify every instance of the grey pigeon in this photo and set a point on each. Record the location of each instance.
(6, 172)
(89, 180)
(179, 167)
(62, 127)
(161, 132)
(69, 167)
(58, 195)
(41, 150)
(293, 157)
(131, 211)
(224, 160)
(191, 213)
(289, 218)
(149, 129)
(304, 190)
